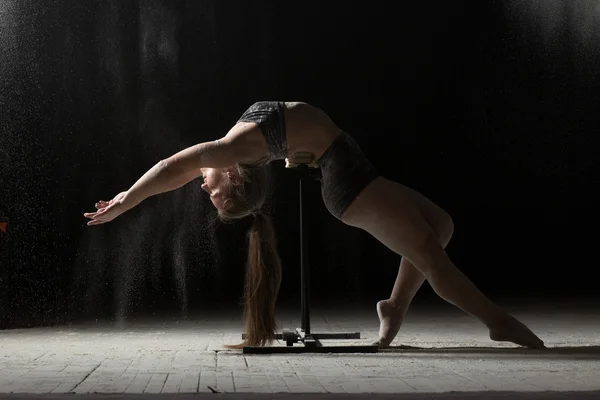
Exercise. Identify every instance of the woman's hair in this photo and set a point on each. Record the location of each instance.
(263, 269)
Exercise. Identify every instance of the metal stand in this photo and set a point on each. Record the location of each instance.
(4, 274)
(309, 342)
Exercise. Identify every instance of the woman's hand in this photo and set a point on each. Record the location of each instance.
(107, 211)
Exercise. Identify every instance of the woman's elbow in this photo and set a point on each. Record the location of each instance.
(176, 172)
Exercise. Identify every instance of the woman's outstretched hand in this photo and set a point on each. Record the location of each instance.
(107, 210)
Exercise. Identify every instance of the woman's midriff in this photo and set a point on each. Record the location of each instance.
(308, 129)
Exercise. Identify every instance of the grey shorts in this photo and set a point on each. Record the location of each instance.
(345, 172)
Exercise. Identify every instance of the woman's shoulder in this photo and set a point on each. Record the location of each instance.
(248, 142)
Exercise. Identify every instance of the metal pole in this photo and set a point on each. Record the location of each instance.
(304, 277)
(5, 270)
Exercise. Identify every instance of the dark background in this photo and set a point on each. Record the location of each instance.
(490, 108)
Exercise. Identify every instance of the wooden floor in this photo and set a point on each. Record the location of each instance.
(439, 351)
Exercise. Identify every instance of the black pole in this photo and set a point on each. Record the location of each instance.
(311, 341)
(304, 277)
(5, 271)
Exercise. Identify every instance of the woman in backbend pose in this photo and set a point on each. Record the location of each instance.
(400, 218)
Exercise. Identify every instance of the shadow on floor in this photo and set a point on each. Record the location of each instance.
(575, 352)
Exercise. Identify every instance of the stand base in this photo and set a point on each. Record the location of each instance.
(311, 343)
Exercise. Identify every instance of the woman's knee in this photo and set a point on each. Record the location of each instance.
(442, 225)
(446, 230)
(438, 219)
(426, 253)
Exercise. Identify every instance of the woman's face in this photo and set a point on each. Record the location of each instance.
(217, 183)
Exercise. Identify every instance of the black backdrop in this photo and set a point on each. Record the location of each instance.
(488, 107)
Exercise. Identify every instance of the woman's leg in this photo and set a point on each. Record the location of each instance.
(387, 211)
(391, 311)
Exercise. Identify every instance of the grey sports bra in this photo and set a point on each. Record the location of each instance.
(269, 117)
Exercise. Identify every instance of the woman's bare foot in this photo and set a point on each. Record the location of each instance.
(390, 320)
(513, 330)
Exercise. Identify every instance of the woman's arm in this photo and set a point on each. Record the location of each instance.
(172, 173)
(181, 168)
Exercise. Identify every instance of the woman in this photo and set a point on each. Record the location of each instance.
(400, 218)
